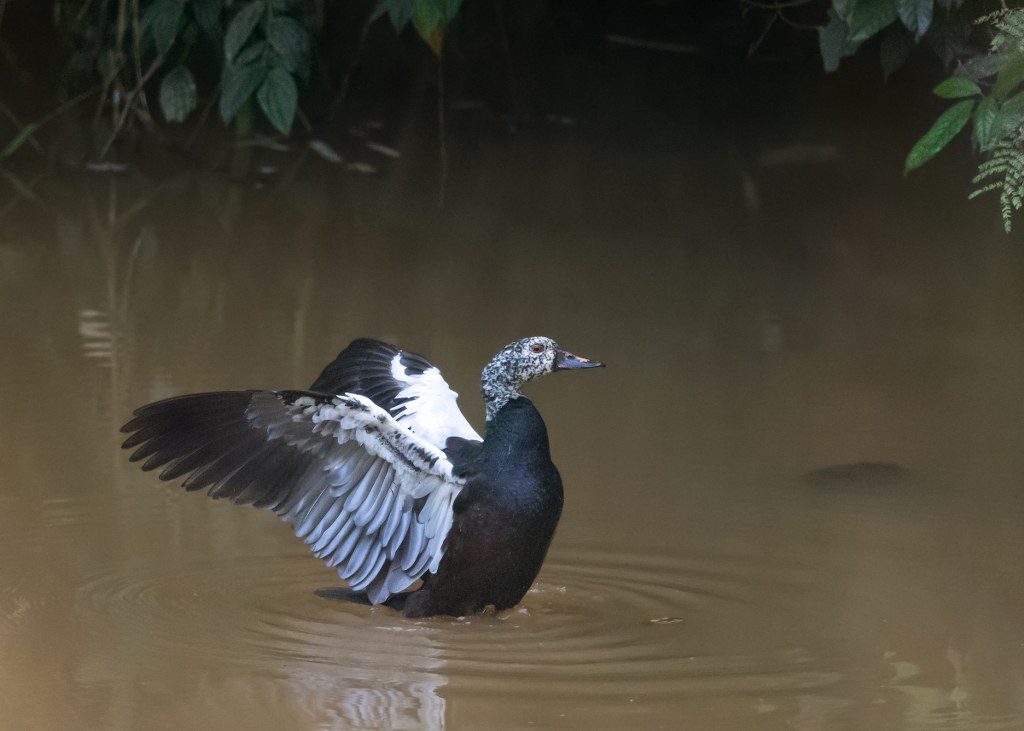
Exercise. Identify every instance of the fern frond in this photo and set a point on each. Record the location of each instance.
(1009, 26)
(984, 189)
(1006, 165)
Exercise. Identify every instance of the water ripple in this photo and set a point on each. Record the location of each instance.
(595, 623)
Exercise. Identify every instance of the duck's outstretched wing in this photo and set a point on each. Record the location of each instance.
(370, 497)
(404, 384)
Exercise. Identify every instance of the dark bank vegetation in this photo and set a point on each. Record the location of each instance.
(168, 69)
(157, 63)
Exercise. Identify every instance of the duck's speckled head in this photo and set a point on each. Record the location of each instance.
(520, 362)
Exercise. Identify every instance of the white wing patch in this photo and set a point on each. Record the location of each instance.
(431, 412)
(378, 503)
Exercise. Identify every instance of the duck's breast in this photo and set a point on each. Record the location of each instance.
(505, 517)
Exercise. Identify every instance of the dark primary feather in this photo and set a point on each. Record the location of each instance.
(404, 384)
(364, 367)
(209, 436)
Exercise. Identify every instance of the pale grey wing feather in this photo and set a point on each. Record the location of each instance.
(369, 497)
(380, 514)
(394, 520)
(363, 491)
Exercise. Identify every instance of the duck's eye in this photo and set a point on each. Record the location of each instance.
(537, 348)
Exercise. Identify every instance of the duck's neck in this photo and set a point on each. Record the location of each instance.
(497, 387)
(496, 395)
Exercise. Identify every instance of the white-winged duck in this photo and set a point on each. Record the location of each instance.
(380, 473)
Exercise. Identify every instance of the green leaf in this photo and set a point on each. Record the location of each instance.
(984, 118)
(398, 11)
(897, 45)
(916, 15)
(1010, 77)
(164, 22)
(251, 53)
(1013, 106)
(843, 8)
(428, 19)
(178, 94)
(241, 27)
(834, 41)
(18, 140)
(449, 9)
(237, 85)
(283, 6)
(207, 13)
(431, 17)
(279, 98)
(867, 17)
(291, 41)
(979, 67)
(956, 87)
(945, 129)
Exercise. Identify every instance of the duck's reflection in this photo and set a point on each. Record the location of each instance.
(414, 706)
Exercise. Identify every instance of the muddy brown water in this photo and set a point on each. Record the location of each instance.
(717, 566)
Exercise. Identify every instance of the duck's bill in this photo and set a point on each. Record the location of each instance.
(568, 361)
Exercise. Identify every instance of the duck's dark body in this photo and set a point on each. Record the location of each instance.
(505, 518)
